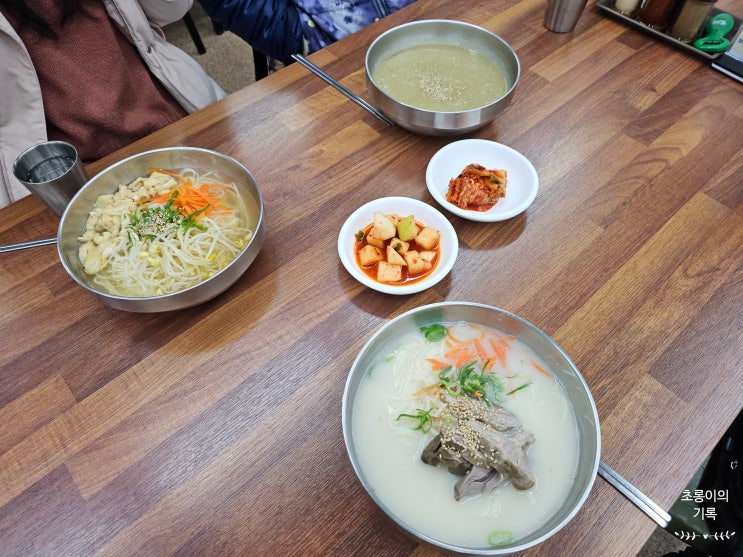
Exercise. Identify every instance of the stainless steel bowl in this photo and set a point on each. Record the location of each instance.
(73, 221)
(560, 364)
(439, 31)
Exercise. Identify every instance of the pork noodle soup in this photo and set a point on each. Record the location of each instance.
(411, 428)
(163, 233)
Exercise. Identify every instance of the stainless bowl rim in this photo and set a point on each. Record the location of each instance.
(347, 433)
(143, 299)
(443, 21)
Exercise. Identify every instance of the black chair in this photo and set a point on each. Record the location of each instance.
(191, 26)
(260, 61)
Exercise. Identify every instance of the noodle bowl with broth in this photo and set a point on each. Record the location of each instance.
(400, 406)
(471, 428)
(163, 233)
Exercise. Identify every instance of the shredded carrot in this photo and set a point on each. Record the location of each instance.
(430, 389)
(191, 199)
(499, 350)
(480, 350)
(500, 346)
(540, 369)
(438, 365)
(460, 356)
(489, 347)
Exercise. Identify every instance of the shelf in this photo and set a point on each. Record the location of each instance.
(608, 7)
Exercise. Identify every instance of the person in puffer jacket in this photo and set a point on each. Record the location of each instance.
(280, 28)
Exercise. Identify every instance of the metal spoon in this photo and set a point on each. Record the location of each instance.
(347, 92)
(642, 501)
(24, 245)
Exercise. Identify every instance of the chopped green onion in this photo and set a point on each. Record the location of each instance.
(524, 386)
(148, 222)
(425, 421)
(500, 537)
(468, 381)
(434, 333)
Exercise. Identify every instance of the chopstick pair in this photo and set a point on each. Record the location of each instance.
(347, 92)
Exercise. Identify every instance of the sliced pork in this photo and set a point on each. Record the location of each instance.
(485, 444)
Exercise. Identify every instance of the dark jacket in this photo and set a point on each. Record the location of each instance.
(280, 28)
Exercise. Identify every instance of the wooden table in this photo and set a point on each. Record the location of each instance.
(216, 430)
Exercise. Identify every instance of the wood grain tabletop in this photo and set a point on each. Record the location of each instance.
(216, 430)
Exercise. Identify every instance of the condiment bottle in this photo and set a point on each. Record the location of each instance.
(656, 13)
(691, 19)
(626, 7)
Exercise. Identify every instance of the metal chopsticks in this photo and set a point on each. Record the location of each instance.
(24, 245)
(347, 92)
(642, 501)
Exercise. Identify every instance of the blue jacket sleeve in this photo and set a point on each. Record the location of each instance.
(271, 27)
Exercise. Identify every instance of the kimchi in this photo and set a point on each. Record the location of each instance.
(477, 188)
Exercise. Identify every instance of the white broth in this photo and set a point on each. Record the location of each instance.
(388, 449)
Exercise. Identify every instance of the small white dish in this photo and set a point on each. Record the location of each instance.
(402, 206)
(450, 160)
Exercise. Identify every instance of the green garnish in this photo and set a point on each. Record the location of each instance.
(425, 421)
(468, 381)
(524, 386)
(434, 333)
(500, 537)
(148, 222)
(360, 236)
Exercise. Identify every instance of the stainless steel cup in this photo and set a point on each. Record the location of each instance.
(562, 15)
(52, 171)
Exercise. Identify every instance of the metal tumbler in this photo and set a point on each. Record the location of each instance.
(561, 16)
(52, 171)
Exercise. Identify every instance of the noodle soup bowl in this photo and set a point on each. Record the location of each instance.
(408, 501)
(437, 32)
(73, 221)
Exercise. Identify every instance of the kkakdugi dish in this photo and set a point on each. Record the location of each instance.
(397, 250)
(422, 258)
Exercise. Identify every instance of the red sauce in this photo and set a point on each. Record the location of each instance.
(407, 278)
(481, 208)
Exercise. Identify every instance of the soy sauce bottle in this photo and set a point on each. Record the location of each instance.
(657, 13)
